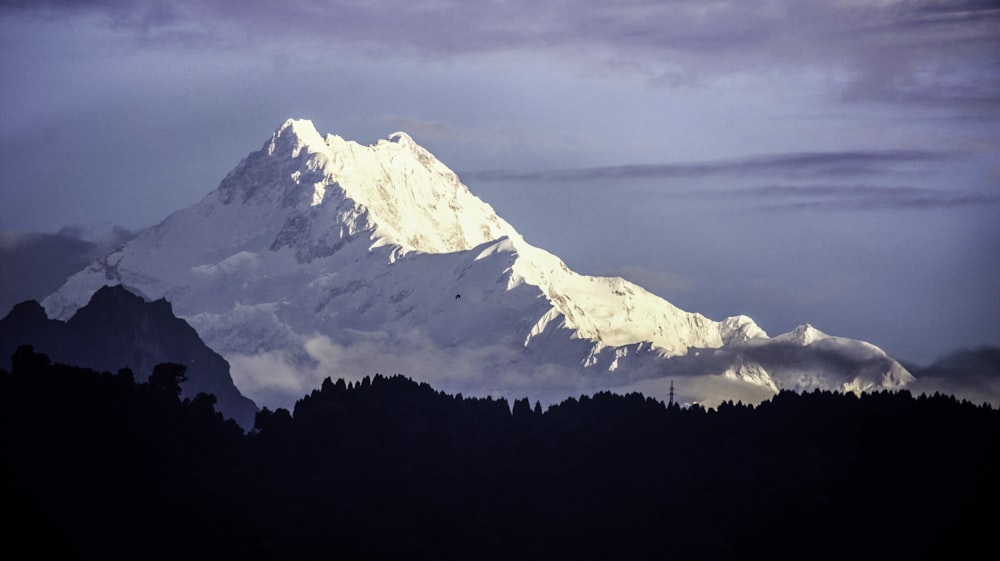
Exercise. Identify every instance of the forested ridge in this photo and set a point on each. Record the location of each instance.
(98, 466)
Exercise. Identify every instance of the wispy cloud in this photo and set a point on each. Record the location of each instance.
(807, 164)
(831, 167)
(848, 197)
(853, 198)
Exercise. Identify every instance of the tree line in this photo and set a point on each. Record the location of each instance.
(99, 465)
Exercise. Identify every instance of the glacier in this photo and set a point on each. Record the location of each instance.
(317, 256)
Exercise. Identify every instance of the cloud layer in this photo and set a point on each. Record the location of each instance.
(922, 51)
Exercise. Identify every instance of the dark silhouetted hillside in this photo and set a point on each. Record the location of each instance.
(117, 329)
(387, 468)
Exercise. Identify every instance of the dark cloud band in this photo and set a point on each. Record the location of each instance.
(810, 164)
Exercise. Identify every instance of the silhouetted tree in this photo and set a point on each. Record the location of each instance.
(278, 420)
(522, 408)
(126, 374)
(26, 360)
(168, 377)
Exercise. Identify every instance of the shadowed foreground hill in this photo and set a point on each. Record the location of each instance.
(118, 328)
(388, 468)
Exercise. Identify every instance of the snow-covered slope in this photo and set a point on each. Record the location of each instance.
(317, 256)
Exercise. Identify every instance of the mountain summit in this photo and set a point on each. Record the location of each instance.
(395, 190)
(317, 256)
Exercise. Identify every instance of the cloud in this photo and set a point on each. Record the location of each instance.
(852, 197)
(278, 378)
(828, 166)
(873, 199)
(972, 374)
(922, 51)
(708, 391)
(805, 164)
(34, 264)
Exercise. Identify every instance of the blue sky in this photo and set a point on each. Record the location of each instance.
(835, 162)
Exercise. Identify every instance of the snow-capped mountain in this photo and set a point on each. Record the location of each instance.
(317, 256)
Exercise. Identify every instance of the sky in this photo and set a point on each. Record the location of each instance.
(834, 163)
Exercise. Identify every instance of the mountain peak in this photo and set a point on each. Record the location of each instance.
(293, 135)
(395, 190)
(804, 334)
(400, 137)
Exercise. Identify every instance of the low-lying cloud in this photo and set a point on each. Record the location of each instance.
(970, 374)
(278, 378)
